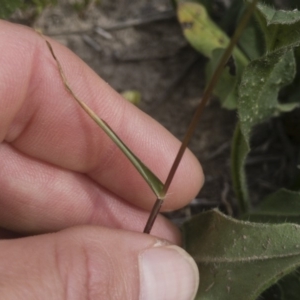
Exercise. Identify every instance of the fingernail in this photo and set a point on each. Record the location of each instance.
(167, 273)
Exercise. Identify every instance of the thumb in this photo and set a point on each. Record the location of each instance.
(95, 263)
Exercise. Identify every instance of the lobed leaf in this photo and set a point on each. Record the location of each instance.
(258, 92)
(280, 27)
(279, 207)
(273, 16)
(260, 84)
(238, 259)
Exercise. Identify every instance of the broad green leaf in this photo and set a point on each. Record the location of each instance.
(260, 84)
(239, 152)
(258, 92)
(288, 288)
(281, 28)
(282, 206)
(279, 207)
(237, 259)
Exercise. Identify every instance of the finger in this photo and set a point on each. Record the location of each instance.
(8, 234)
(40, 118)
(95, 263)
(37, 197)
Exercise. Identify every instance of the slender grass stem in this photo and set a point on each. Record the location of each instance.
(155, 210)
(206, 96)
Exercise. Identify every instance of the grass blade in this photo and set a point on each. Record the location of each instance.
(154, 183)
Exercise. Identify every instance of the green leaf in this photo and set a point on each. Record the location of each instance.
(287, 107)
(154, 183)
(232, 15)
(282, 206)
(273, 16)
(207, 38)
(261, 81)
(279, 207)
(239, 260)
(293, 91)
(208, 4)
(288, 288)
(252, 41)
(226, 88)
(239, 152)
(281, 28)
(202, 33)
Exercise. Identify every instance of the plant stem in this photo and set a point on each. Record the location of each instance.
(206, 96)
(154, 212)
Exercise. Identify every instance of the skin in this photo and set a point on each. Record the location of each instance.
(60, 174)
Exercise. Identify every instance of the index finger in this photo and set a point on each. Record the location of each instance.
(40, 118)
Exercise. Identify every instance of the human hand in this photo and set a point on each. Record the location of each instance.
(60, 174)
